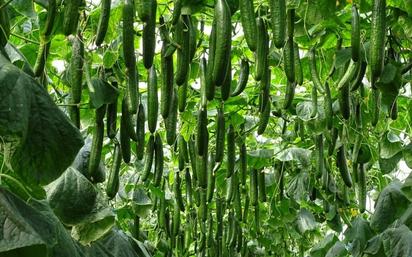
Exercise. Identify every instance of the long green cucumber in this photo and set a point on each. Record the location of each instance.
(349, 74)
(166, 65)
(189, 189)
(262, 186)
(202, 132)
(202, 167)
(206, 75)
(226, 85)
(264, 119)
(243, 78)
(298, 65)
(178, 191)
(231, 151)
(76, 78)
(152, 100)
(97, 142)
(128, 14)
(211, 181)
(223, 40)
(171, 121)
(278, 18)
(313, 70)
(183, 153)
(248, 21)
(262, 49)
(144, 9)
(71, 16)
(355, 34)
(111, 116)
(290, 94)
(128, 122)
(327, 106)
(342, 166)
(362, 188)
(192, 39)
(220, 135)
(254, 186)
(182, 37)
(359, 77)
(377, 39)
(103, 23)
(4, 25)
(289, 60)
(265, 90)
(149, 36)
(344, 101)
(192, 155)
(375, 106)
(112, 185)
(182, 97)
(140, 132)
(158, 151)
(124, 136)
(243, 162)
(177, 10)
(148, 161)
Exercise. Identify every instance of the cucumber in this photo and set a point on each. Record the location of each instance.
(192, 155)
(290, 94)
(206, 75)
(278, 18)
(140, 132)
(202, 168)
(211, 180)
(265, 90)
(243, 78)
(248, 21)
(355, 34)
(262, 50)
(227, 83)
(192, 39)
(152, 100)
(230, 188)
(166, 66)
(51, 16)
(144, 9)
(223, 41)
(362, 188)
(358, 115)
(359, 77)
(264, 119)
(289, 60)
(262, 186)
(313, 70)
(71, 16)
(97, 143)
(349, 74)
(128, 14)
(178, 191)
(342, 166)
(231, 151)
(375, 106)
(333, 138)
(189, 189)
(201, 135)
(290, 26)
(183, 154)
(182, 37)
(344, 101)
(182, 97)
(124, 136)
(298, 65)
(243, 162)
(177, 10)
(112, 185)
(4, 25)
(377, 39)
(319, 148)
(220, 134)
(158, 152)
(176, 221)
(149, 36)
(254, 186)
(111, 116)
(103, 23)
(128, 122)
(327, 106)
(76, 78)
(148, 161)
(171, 121)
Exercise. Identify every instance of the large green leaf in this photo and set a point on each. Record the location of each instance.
(397, 242)
(390, 205)
(337, 250)
(320, 249)
(358, 235)
(33, 128)
(305, 221)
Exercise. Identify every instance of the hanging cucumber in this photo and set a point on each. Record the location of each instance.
(206, 75)
(248, 21)
(177, 10)
(202, 167)
(243, 78)
(344, 101)
(192, 39)
(278, 18)
(71, 16)
(231, 151)
(355, 36)
(375, 106)
(112, 185)
(182, 97)
(220, 134)
(128, 14)
(158, 152)
(298, 65)
(144, 9)
(149, 36)
(4, 25)
(349, 74)
(183, 153)
(103, 23)
(152, 100)
(189, 189)
(111, 116)
(182, 37)
(362, 188)
(265, 90)
(243, 162)
(356, 83)
(201, 143)
(313, 70)
(171, 121)
(262, 186)
(262, 50)
(178, 191)
(227, 83)
(289, 60)
(377, 40)
(264, 119)
(290, 94)
(342, 166)
(97, 143)
(124, 135)
(254, 186)
(76, 78)
(140, 132)
(223, 41)
(327, 106)
(148, 161)
(211, 181)
(166, 66)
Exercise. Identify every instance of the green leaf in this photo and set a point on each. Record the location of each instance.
(101, 93)
(141, 202)
(72, 197)
(337, 250)
(320, 249)
(388, 165)
(358, 235)
(407, 155)
(295, 154)
(390, 205)
(407, 187)
(33, 128)
(397, 241)
(390, 145)
(406, 218)
(305, 221)
(110, 58)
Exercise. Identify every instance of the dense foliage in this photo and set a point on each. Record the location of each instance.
(205, 128)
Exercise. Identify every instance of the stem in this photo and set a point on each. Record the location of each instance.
(21, 186)
(24, 38)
